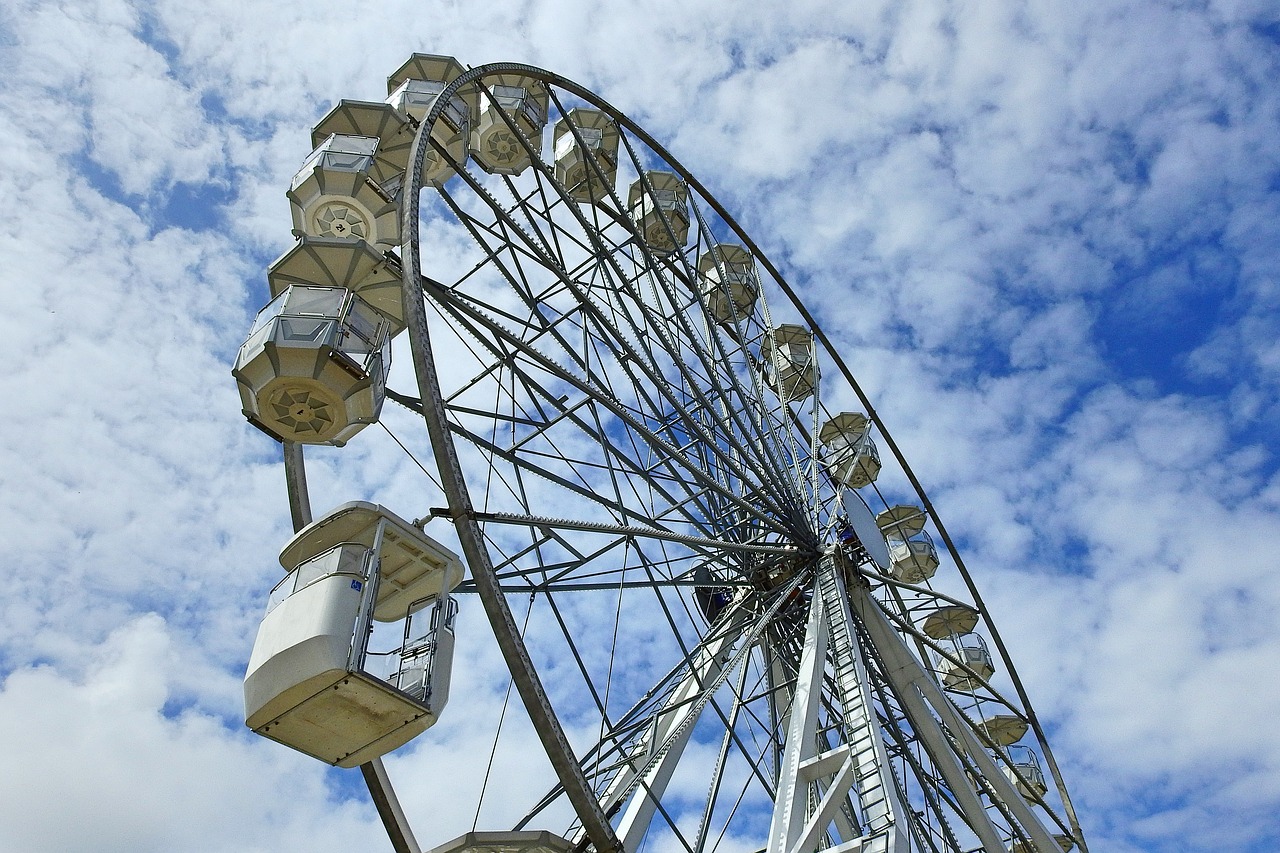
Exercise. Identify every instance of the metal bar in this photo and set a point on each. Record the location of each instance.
(749, 639)
(384, 799)
(523, 673)
(827, 807)
(295, 478)
(712, 377)
(629, 531)
(877, 791)
(922, 832)
(655, 776)
(717, 777)
(467, 314)
(792, 795)
(368, 599)
(675, 462)
(917, 690)
(767, 448)
(592, 311)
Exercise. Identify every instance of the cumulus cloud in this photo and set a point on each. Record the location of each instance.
(105, 761)
(1044, 236)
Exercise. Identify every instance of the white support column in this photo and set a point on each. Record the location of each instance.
(884, 816)
(857, 766)
(829, 806)
(792, 797)
(778, 681)
(675, 720)
(918, 691)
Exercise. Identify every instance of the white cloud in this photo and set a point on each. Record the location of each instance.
(104, 761)
(986, 206)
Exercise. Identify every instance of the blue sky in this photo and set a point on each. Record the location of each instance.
(1045, 237)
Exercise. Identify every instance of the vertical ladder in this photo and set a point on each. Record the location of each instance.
(814, 788)
(882, 815)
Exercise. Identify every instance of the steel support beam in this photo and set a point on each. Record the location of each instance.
(884, 816)
(792, 799)
(295, 478)
(920, 693)
(679, 721)
(384, 800)
(523, 674)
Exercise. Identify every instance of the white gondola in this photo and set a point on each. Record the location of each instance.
(727, 282)
(585, 144)
(520, 841)
(848, 452)
(413, 90)
(513, 114)
(950, 619)
(967, 664)
(345, 262)
(392, 128)
(308, 684)
(334, 194)
(1026, 763)
(1004, 729)
(661, 216)
(789, 362)
(313, 369)
(912, 552)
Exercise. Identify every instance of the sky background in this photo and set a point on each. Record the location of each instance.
(1046, 234)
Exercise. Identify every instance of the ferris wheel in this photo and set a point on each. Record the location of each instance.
(758, 633)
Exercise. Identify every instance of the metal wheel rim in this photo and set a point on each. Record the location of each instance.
(471, 523)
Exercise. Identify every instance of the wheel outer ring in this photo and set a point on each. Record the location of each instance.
(461, 508)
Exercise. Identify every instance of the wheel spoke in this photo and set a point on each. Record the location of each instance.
(628, 408)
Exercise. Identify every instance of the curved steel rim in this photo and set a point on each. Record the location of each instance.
(462, 510)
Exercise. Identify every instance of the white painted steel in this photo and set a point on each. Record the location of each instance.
(884, 816)
(712, 481)
(924, 697)
(792, 798)
(813, 788)
(661, 749)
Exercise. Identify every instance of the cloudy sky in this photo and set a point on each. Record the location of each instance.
(1048, 234)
